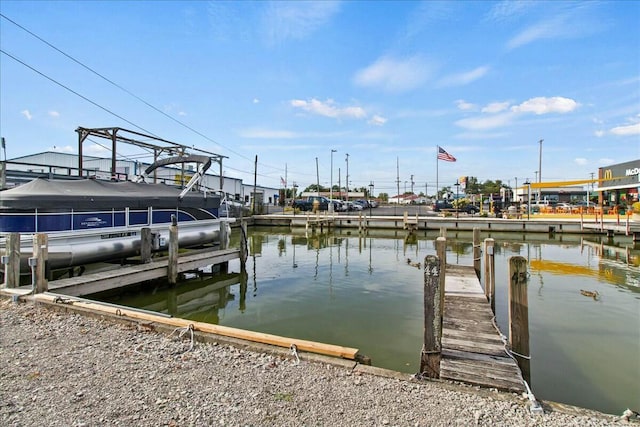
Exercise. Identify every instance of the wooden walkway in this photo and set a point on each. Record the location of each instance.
(119, 277)
(472, 350)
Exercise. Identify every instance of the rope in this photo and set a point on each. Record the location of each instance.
(183, 330)
(535, 408)
(294, 352)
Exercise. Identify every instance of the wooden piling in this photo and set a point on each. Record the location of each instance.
(244, 252)
(224, 243)
(519, 314)
(476, 251)
(146, 244)
(41, 256)
(12, 265)
(489, 273)
(443, 231)
(441, 252)
(433, 302)
(172, 266)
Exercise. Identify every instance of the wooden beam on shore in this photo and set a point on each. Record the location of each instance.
(260, 337)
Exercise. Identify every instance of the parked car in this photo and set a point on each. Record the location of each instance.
(351, 206)
(445, 205)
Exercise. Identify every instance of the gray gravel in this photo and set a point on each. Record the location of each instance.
(66, 369)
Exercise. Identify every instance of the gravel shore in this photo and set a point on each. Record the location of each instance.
(67, 369)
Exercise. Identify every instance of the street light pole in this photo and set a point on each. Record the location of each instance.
(528, 184)
(457, 184)
(540, 168)
(370, 196)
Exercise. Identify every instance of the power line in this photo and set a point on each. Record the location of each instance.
(74, 92)
(128, 92)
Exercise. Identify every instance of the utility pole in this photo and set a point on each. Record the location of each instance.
(398, 177)
(412, 184)
(347, 176)
(317, 177)
(331, 183)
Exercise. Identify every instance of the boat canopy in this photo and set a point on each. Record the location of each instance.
(92, 194)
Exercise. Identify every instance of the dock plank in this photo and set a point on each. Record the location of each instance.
(472, 348)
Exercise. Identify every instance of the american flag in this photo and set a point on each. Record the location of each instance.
(283, 182)
(443, 155)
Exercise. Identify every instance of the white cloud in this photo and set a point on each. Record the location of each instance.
(182, 113)
(464, 105)
(297, 20)
(633, 129)
(394, 75)
(543, 105)
(256, 101)
(495, 107)
(54, 114)
(569, 20)
(581, 161)
(462, 79)
(599, 133)
(328, 108)
(509, 9)
(485, 122)
(26, 114)
(377, 120)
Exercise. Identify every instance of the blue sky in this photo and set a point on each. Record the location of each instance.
(385, 82)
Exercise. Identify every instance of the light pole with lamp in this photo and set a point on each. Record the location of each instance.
(540, 169)
(528, 184)
(457, 184)
(370, 196)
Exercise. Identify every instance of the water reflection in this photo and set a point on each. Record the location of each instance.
(360, 291)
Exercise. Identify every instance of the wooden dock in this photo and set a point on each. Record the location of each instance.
(472, 349)
(318, 221)
(124, 276)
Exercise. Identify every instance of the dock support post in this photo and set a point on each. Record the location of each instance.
(11, 261)
(489, 273)
(432, 346)
(41, 256)
(244, 252)
(443, 232)
(172, 267)
(519, 314)
(146, 242)
(441, 252)
(224, 243)
(476, 251)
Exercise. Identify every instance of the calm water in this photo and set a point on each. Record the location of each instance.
(361, 292)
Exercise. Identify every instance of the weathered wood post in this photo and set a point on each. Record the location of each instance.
(489, 273)
(244, 250)
(476, 251)
(432, 345)
(12, 261)
(519, 314)
(172, 266)
(146, 244)
(441, 252)
(41, 257)
(443, 231)
(224, 244)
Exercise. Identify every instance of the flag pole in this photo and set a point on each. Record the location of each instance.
(437, 185)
